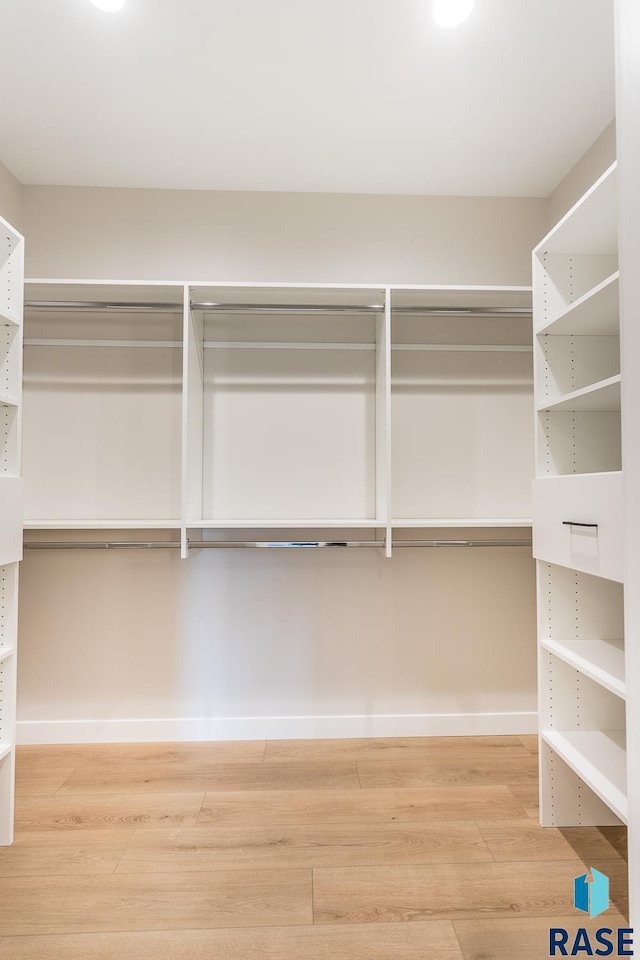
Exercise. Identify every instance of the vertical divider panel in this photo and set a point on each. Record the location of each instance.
(11, 515)
(8, 641)
(383, 419)
(192, 418)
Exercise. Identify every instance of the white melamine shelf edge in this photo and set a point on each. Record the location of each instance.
(462, 288)
(601, 397)
(600, 473)
(404, 523)
(57, 281)
(282, 345)
(12, 230)
(5, 749)
(309, 345)
(466, 347)
(273, 285)
(102, 524)
(6, 652)
(591, 314)
(171, 344)
(8, 402)
(283, 524)
(584, 199)
(9, 318)
(600, 660)
(599, 759)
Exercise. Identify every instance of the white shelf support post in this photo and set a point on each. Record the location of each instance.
(383, 419)
(11, 310)
(192, 419)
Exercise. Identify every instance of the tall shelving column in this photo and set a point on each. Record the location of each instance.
(11, 299)
(628, 146)
(578, 515)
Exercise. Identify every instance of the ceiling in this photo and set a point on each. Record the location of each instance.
(358, 96)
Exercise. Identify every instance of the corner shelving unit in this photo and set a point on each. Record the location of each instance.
(578, 516)
(11, 287)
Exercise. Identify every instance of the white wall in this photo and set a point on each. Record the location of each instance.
(591, 165)
(11, 198)
(141, 645)
(324, 238)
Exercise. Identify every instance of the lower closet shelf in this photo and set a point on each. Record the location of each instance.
(599, 758)
(601, 660)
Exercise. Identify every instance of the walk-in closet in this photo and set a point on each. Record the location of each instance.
(318, 523)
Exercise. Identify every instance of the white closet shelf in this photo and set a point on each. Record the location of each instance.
(465, 347)
(9, 318)
(601, 660)
(5, 749)
(34, 342)
(596, 314)
(590, 226)
(6, 652)
(599, 758)
(8, 402)
(90, 524)
(601, 397)
(284, 345)
(282, 523)
(404, 523)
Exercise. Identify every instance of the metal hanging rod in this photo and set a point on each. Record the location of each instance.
(465, 311)
(91, 306)
(101, 545)
(369, 308)
(99, 305)
(266, 544)
(271, 308)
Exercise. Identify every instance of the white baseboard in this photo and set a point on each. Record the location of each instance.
(275, 728)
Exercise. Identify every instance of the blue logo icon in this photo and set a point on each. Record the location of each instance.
(591, 893)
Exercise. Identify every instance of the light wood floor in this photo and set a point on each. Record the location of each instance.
(404, 849)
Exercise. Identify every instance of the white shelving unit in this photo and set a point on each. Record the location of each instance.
(289, 405)
(578, 516)
(461, 380)
(102, 405)
(11, 286)
(270, 407)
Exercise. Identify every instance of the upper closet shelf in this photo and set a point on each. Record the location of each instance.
(475, 522)
(590, 227)
(6, 652)
(601, 660)
(601, 397)
(91, 524)
(595, 314)
(224, 523)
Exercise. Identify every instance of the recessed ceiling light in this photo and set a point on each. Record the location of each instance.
(109, 5)
(449, 13)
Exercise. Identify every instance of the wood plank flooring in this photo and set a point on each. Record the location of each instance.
(402, 849)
